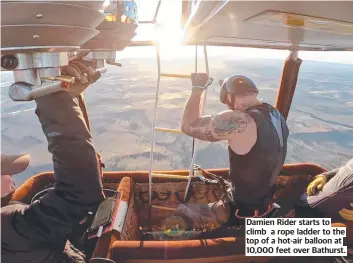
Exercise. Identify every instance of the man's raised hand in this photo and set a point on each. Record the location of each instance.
(201, 80)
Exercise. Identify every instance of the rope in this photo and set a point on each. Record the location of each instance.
(196, 58)
(193, 139)
(191, 171)
(153, 126)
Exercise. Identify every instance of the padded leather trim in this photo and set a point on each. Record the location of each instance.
(37, 182)
(126, 189)
(122, 250)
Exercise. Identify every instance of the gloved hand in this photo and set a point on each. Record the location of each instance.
(201, 80)
(318, 183)
(347, 214)
(83, 73)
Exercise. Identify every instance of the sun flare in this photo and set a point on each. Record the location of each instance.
(170, 40)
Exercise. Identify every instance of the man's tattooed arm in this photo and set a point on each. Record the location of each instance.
(200, 129)
(223, 126)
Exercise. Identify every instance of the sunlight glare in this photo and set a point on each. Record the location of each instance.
(169, 34)
(170, 39)
(106, 3)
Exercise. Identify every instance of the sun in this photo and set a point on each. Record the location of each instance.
(169, 34)
(170, 39)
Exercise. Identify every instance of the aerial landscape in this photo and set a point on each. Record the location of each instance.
(120, 107)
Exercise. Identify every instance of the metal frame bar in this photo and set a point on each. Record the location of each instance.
(294, 54)
(223, 44)
(154, 20)
(157, 10)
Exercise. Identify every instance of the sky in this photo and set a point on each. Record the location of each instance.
(169, 33)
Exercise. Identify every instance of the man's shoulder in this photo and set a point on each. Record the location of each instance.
(264, 109)
(233, 121)
(269, 114)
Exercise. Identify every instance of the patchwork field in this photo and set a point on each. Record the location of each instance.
(121, 104)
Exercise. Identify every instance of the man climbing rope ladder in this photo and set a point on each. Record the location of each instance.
(257, 144)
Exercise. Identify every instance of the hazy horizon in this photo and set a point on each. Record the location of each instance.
(120, 107)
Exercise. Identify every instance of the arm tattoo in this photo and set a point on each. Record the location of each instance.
(209, 137)
(201, 122)
(197, 134)
(234, 123)
(205, 135)
(201, 129)
(221, 127)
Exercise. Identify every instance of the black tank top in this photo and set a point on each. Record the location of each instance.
(253, 175)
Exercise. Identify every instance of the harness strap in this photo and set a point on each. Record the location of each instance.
(229, 193)
(277, 123)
